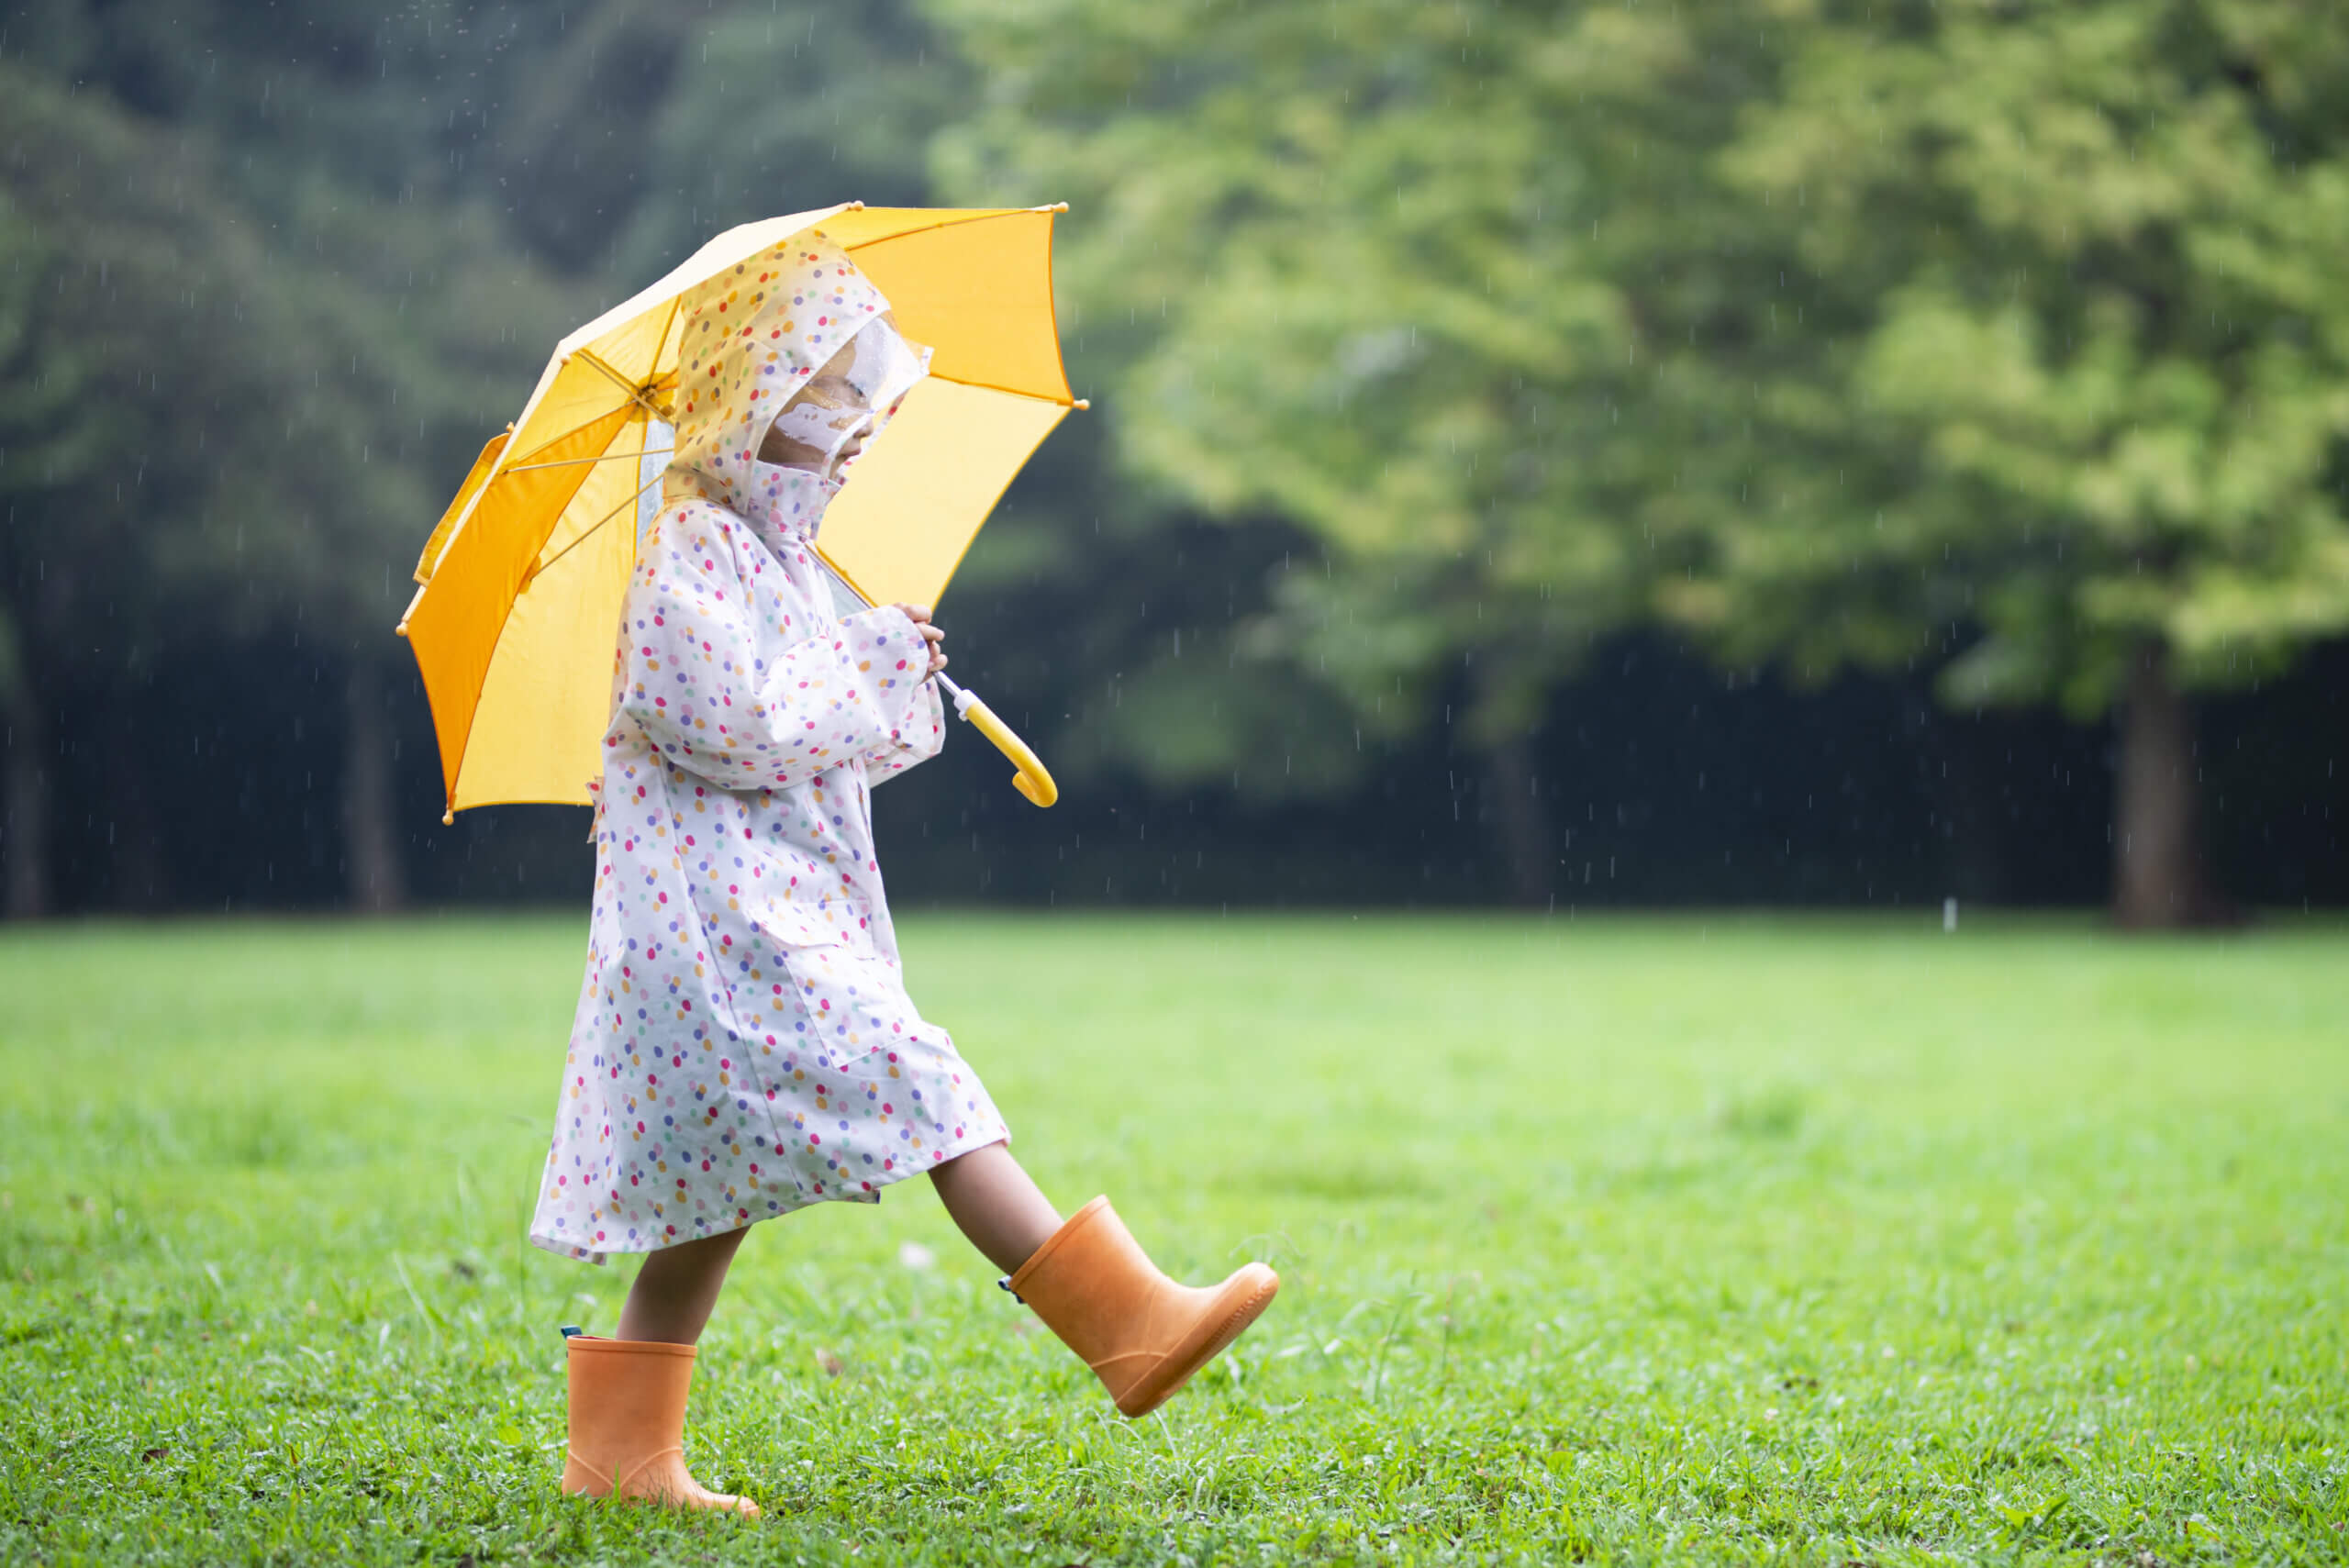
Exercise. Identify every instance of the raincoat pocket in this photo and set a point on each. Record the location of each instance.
(851, 1000)
(790, 925)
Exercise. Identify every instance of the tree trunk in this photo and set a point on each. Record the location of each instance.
(24, 794)
(139, 852)
(25, 835)
(1522, 827)
(2158, 876)
(369, 854)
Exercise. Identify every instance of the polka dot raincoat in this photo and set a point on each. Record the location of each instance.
(744, 1045)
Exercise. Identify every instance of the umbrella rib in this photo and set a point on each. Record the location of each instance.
(661, 344)
(1015, 392)
(591, 528)
(635, 394)
(576, 461)
(949, 223)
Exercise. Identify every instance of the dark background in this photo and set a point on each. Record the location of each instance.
(1660, 780)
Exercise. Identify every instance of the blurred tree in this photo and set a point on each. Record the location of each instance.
(224, 417)
(1452, 287)
(1998, 336)
(777, 110)
(2078, 353)
(536, 111)
(118, 322)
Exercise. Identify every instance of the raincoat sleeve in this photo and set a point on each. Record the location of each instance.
(918, 740)
(695, 679)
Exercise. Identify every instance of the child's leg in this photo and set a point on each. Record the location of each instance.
(675, 1289)
(996, 1204)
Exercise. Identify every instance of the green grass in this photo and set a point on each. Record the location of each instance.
(1638, 1241)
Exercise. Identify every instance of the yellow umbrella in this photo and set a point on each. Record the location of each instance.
(521, 583)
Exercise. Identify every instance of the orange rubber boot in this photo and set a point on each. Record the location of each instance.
(1141, 1333)
(628, 1425)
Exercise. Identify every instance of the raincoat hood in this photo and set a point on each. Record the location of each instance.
(754, 335)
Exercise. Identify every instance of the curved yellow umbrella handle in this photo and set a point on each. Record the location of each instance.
(1032, 779)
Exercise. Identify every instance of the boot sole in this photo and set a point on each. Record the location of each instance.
(1256, 1287)
(719, 1503)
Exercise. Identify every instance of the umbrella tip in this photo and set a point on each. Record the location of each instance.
(1058, 206)
(401, 629)
(1082, 403)
(449, 817)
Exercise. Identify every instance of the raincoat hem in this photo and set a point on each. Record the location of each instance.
(866, 1192)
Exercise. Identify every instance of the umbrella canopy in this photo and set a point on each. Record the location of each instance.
(522, 581)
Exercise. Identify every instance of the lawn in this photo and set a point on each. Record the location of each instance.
(1637, 1240)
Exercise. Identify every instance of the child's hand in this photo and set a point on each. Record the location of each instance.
(919, 616)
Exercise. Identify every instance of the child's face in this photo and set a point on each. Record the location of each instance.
(825, 405)
(825, 422)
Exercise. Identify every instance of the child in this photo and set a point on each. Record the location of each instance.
(744, 1045)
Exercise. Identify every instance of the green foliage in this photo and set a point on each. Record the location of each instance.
(1656, 1242)
(776, 111)
(231, 407)
(1451, 286)
(2076, 294)
(125, 336)
(440, 103)
(1828, 333)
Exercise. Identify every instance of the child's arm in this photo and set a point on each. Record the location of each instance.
(696, 687)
